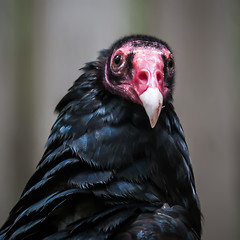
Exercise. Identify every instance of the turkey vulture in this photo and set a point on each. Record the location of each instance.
(116, 164)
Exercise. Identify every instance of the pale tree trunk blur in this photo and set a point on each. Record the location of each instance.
(44, 43)
(205, 100)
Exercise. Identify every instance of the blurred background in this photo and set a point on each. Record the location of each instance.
(44, 43)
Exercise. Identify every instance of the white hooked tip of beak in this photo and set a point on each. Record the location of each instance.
(152, 101)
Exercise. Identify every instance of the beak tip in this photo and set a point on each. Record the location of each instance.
(154, 119)
(152, 100)
(153, 124)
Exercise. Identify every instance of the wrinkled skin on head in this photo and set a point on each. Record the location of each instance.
(142, 73)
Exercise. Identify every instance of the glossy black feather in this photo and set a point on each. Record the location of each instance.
(106, 173)
(165, 223)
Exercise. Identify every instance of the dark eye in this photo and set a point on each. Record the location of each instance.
(117, 60)
(170, 63)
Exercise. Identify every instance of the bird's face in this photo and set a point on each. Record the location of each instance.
(142, 72)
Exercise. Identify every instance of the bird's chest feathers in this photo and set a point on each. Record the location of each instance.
(119, 139)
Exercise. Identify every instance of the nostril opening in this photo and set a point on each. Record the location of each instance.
(158, 76)
(143, 76)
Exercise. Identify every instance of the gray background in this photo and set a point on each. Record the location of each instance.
(44, 43)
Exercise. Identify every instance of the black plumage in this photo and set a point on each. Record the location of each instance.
(105, 173)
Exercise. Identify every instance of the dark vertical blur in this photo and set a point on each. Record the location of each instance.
(44, 43)
(24, 98)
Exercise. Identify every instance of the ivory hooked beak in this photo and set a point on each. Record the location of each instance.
(152, 101)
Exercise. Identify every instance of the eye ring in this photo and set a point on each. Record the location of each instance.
(117, 60)
(170, 63)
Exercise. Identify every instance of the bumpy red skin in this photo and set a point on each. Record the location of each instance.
(147, 71)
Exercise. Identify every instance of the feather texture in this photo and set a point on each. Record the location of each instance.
(106, 173)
